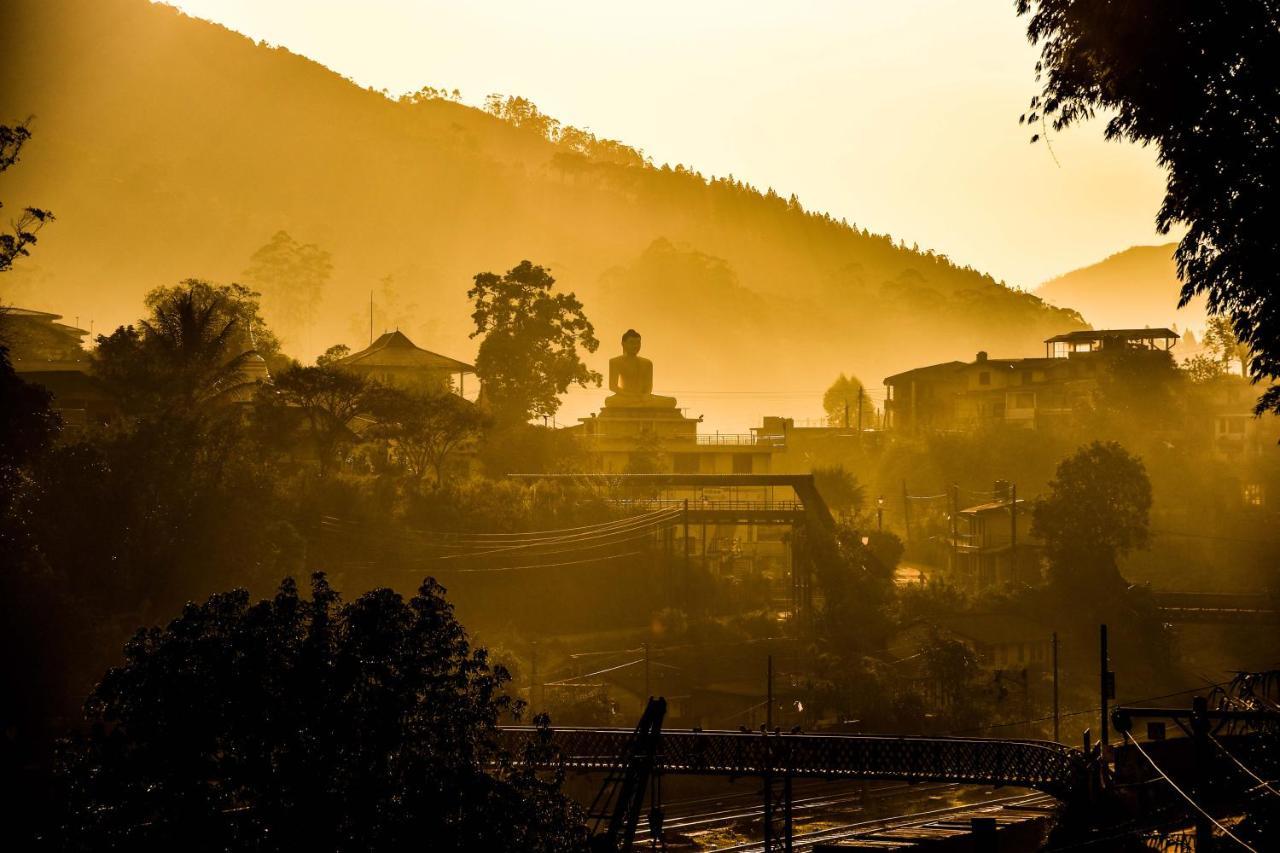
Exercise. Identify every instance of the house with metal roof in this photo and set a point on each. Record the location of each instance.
(396, 360)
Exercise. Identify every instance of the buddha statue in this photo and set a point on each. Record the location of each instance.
(631, 378)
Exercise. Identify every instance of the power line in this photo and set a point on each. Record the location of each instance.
(1184, 795)
(1262, 782)
(566, 682)
(540, 565)
(1081, 712)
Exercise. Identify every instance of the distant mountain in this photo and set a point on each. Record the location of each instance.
(170, 147)
(1132, 289)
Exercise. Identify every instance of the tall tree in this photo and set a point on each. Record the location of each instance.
(840, 402)
(1200, 83)
(425, 428)
(1220, 337)
(23, 230)
(190, 351)
(292, 277)
(292, 724)
(1097, 509)
(330, 399)
(529, 352)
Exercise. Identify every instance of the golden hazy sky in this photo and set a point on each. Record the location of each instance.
(901, 117)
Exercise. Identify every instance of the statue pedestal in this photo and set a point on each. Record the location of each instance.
(629, 422)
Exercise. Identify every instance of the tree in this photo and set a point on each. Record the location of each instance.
(529, 353)
(424, 428)
(292, 277)
(1198, 82)
(28, 425)
(333, 355)
(190, 352)
(24, 229)
(1220, 338)
(330, 399)
(292, 724)
(1097, 509)
(840, 402)
(1201, 369)
(840, 489)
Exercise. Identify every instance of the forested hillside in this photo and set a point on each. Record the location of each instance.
(170, 147)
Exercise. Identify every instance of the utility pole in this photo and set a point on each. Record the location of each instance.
(880, 514)
(1107, 685)
(768, 763)
(533, 677)
(1200, 734)
(859, 411)
(955, 524)
(1056, 734)
(768, 711)
(906, 511)
(846, 414)
(647, 692)
(370, 317)
(685, 580)
(1013, 530)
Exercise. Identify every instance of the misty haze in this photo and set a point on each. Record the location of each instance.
(701, 427)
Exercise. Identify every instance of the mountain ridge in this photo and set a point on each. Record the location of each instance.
(186, 146)
(1132, 288)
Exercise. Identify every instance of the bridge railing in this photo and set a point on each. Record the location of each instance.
(1045, 766)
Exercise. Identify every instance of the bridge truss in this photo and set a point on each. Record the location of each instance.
(1058, 770)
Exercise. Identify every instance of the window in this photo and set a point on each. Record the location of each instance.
(741, 463)
(1026, 377)
(1024, 400)
(1253, 495)
(984, 378)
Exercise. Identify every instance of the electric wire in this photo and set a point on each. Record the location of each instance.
(1064, 715)
(568, 682)
(1185, 796)
(541, 565)
(1261, 782)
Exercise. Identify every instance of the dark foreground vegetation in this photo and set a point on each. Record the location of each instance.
(303, 721)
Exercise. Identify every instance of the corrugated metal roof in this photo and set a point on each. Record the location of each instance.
(394, 349)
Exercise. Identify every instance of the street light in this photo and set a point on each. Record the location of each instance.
(880, 514)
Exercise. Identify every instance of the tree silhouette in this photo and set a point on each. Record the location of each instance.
(329, 397)
(1220, 338)
(425, 428)
(292, 277)
(296, 724)
(1097, 509)
(1198, 82)
(529, 353)
(190, 352)
(840, 402)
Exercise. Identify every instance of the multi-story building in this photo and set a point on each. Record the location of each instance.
(1026, 392)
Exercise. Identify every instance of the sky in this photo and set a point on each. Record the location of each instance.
(900, 117)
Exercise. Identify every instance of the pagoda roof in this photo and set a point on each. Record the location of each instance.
(394, 349)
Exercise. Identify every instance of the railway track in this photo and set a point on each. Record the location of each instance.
(690, 816)
(805, 841)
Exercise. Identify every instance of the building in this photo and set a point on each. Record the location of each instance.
(396, 360)
(990, 544)
(37, 341)
(1024, 392)
(51, 354)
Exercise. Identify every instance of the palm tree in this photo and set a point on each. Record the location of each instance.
(191, 352)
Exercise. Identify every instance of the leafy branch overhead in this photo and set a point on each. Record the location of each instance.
(1198, 83)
